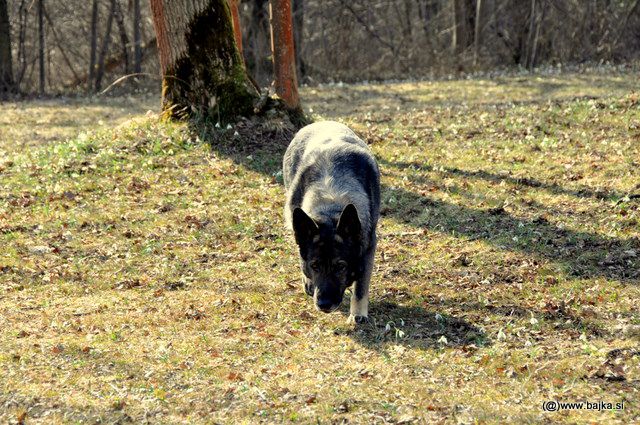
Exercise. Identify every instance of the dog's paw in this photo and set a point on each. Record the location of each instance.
(358, 320)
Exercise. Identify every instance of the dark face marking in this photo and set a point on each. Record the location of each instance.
(329, 255)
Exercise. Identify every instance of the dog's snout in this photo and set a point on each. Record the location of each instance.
(325, 305)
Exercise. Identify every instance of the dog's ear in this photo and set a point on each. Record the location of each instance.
(304, 227)
(349, 224)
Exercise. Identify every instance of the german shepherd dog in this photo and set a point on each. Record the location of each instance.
(333, 205)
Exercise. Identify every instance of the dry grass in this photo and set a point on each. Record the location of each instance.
(145, 275)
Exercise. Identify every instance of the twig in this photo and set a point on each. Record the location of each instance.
(140, 74)
(125, 77)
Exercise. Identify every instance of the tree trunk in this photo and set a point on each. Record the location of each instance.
(105, 46)
(298, 33)
(464, 19)
(41, 44)
(124, 37)
(534, 46)
(459, 30)
(529, 47)
(257, 43)
(477, 32)
(202, 70)
(137, 40)
(23, 16)
(94, 44)
(6, 68)
(284, 59)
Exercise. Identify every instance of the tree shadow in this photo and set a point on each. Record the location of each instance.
(581, 254)
(565, 318)
(257, 146)
(556, 189)
(415, 327)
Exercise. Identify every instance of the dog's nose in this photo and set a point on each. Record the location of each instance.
(324, 305)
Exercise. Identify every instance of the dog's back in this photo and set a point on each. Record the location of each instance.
(326, 167)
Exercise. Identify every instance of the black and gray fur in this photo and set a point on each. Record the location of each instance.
(333, 205)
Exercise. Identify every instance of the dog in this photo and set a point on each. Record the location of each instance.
(332, 205)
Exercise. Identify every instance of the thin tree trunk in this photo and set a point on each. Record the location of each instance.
(105, 46)
(459, 29)
(41, 45)
(48, 55)
(257, 42)
(22, 34)
(534, 47)
(94, 44)
(477, 32)
(298, 34)
(529, 46)
(6, 64)
(124, 38)
(284, 59)
(203, 73)
(426, 12)
(137, 40)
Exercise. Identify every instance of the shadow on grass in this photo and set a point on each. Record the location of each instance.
(563, 316)
(556, 189)
(41, 407)
(415, 327)
(581, 254)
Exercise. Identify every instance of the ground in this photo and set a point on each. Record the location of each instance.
(146, 275)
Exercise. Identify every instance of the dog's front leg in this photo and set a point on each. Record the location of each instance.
(359, 310)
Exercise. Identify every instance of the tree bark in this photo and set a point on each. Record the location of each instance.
(203, 73)
(124, 37)
(94, 44)
(105, 46)
(41, 45)
(137, 39)
(458, 41)
(464, 19)
(477, 32)
(257, 44)
(237, 29)
(530, 36)
(298, 33)
(6, 64)
(284, 59)
(23, 16)
(534, 47)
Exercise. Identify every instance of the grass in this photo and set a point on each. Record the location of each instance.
(146, 275)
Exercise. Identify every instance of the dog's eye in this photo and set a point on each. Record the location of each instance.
(315, 266)
(341, 266)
